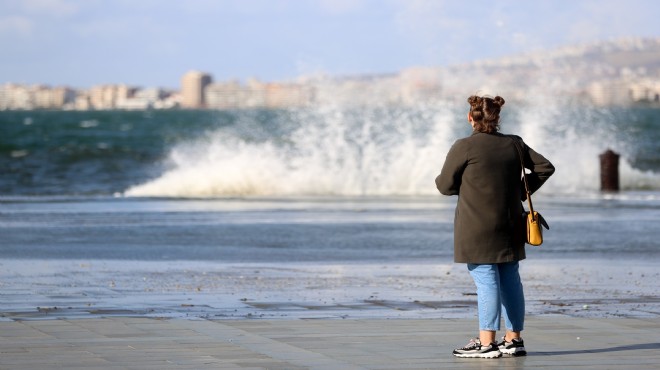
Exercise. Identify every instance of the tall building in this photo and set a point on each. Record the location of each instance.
(46, 97)
(193, 84)
(257, 94)
(15, 96)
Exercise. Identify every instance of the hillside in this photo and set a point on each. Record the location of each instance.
(609, 72)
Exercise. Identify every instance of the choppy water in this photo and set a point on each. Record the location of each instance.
(324, 184)
(321, 151)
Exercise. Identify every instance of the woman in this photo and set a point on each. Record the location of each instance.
(484, 171)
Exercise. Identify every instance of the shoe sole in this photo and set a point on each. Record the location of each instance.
(479, 355)
(515, 352)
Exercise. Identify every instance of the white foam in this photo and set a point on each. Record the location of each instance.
(333, 150)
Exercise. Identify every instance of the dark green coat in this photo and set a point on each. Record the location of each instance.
(484, 171)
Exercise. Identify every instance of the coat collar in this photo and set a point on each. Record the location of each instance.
(475, 132)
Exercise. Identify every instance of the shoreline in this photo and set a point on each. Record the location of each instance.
(56, 289)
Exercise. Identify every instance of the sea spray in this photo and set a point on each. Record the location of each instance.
(324, 151)
(321, 150)
(376, 150)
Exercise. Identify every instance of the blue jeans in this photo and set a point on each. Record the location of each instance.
(499, 291)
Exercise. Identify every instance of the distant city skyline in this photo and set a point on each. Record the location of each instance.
(153, 43)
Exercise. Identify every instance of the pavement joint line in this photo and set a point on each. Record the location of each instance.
(266, 346)
(554, 343)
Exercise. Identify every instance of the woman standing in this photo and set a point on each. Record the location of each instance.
(484, 171)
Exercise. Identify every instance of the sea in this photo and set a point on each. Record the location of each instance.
(327, 184)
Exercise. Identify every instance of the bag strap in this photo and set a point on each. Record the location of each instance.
(522, 166)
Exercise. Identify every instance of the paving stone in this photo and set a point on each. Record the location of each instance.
(149, 343)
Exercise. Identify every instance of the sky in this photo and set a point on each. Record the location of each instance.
(151, 43)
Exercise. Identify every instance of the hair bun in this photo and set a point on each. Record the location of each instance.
(485, 112)
(475, 100)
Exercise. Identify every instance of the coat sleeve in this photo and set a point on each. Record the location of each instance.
(451, 175)
(541, 169)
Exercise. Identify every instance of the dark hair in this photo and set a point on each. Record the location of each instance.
(485, 113)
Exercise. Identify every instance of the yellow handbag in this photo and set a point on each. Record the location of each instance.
(534, 222)
(534, 229)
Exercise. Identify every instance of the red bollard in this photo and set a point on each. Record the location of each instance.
(609, 171)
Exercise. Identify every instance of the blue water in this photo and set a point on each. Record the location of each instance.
(363, 229)
(324, 185)
(367, 151)
(90, 153)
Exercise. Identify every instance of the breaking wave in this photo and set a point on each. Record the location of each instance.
(334, 150)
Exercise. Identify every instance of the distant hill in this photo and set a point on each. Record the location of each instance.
(619, 53)
(607, 72)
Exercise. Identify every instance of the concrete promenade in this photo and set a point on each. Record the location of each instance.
(554, 342)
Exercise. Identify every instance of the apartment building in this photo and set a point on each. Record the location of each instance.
(193, 85)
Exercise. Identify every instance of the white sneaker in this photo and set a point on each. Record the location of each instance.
(474, 349)
(514, 348)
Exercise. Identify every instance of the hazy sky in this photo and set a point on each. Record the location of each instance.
(153, 42)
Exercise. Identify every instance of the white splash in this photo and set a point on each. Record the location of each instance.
(333, 150)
